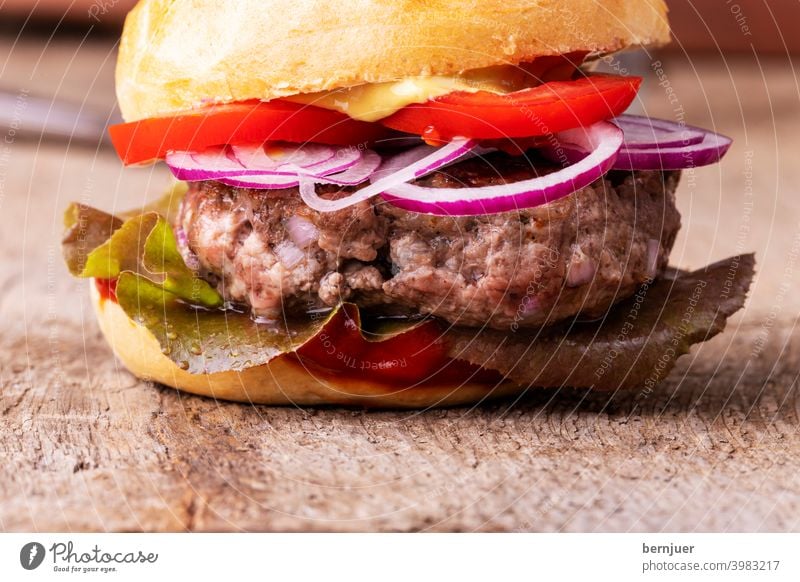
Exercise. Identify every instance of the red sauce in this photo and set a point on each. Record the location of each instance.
(107, 288)
(415, 356)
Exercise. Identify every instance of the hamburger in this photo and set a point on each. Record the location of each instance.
(397, 204)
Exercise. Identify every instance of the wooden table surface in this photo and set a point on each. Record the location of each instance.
(85, 446)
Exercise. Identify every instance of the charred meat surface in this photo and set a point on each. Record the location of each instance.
(528, 268)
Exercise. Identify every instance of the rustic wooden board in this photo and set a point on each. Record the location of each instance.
(85, 446)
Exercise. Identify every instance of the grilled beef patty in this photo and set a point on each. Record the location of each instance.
(577, 255)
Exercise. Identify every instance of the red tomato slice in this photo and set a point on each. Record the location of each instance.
(107, 288)
(541, 110)
(405, 358)
(415, 356)
(239, 123)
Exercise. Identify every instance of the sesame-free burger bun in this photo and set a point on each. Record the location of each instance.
(178, 54)
(284, 380)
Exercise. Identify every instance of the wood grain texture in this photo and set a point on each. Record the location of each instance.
(85, 446)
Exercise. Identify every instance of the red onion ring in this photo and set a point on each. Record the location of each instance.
(305, 155)
(206, 165)
(707, 152)
(414, 164)
(262, 181)
(259, 162)
(230, 161)
(362, 171)
(644, 132)
(352, 176)
(603, 139)
(659, 154)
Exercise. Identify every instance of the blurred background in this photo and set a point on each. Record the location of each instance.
(729, 68)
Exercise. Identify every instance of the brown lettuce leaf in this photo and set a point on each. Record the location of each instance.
(85, 229)
(635, 345)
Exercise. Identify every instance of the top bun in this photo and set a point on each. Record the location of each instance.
(177, 54)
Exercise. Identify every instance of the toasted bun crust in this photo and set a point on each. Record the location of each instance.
(280, 382)
(177, 54)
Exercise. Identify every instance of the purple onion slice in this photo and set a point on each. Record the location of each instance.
(602, 139)
(412, 164)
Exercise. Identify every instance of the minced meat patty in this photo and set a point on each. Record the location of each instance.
(576, 255)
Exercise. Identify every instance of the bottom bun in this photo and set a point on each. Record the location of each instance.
(282, 381)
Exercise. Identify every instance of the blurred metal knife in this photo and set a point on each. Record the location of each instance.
(29, 117)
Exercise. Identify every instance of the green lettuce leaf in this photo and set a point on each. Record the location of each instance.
(103, 246)
(85, 229)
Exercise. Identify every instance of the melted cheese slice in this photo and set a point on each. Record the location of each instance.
(374, 101)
